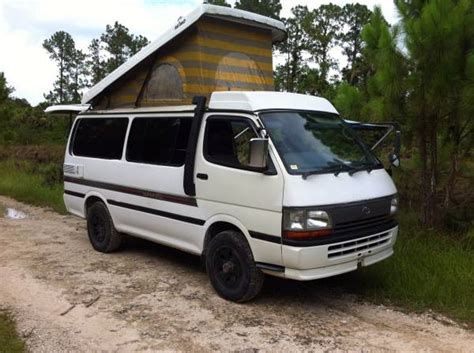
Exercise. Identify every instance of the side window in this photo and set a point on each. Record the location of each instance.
(161, 141)
(100, 137)
(227, 141)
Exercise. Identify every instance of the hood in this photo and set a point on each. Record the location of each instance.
(328, 189)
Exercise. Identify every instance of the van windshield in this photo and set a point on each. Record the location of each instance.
(317, 143)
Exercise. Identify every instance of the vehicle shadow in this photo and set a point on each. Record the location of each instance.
(274, 290)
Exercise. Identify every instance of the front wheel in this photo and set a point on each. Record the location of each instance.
(231, 267)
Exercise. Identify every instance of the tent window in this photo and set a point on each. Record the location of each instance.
(164, 83)
(256, 79)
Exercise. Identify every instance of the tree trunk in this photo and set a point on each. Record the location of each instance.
(432, 209)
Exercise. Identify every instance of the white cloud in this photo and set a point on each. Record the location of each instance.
(24, 24)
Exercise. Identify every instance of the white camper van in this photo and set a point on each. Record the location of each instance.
(255, 182)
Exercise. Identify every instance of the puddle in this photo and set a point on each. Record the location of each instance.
(11, 213)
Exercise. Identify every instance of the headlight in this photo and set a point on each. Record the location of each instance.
(305, 224)
(394, 206)
(294, 220)
(317, 220)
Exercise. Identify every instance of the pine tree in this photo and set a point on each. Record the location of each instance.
(269, 8)
(218, 2)
(61, 49)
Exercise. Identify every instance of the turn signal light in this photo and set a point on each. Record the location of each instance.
(306, 234)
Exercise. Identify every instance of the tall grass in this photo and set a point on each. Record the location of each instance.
(429, 270)
(31, 183)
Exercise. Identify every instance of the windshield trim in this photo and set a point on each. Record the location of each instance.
(377, 164)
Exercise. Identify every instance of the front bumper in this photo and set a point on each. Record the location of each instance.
(308, 263)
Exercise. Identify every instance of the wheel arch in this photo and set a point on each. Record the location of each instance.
(92, 197)
(220, 223)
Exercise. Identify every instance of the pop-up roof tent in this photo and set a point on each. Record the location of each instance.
(214, 48)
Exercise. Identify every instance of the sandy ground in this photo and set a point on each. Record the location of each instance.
(67, 297)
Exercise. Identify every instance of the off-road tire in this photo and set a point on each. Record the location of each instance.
(100, 228)
(231, 267)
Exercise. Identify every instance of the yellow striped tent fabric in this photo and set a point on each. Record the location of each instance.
(212, 55)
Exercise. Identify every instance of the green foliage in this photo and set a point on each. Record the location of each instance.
(354, 18)
(439, 40)
(115, 46)
(323, 26)
(348, 101)
(218, 2)
(21, 124)
(269, 8)
(312, 35)
(288, 76)
(10, 342)
(120, 45)
(31, 182)
(5, 89)
(386, 87)
(71, 68)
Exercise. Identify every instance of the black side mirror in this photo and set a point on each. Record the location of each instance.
(259, 153)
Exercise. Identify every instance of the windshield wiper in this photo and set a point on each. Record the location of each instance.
(368, 168)
(336, 169)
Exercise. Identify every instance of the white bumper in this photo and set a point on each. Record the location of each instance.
(308, 263)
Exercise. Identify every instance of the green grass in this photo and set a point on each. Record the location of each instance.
(26, 183)
(429, 270)
(9, 340)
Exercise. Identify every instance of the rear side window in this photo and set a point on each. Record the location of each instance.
(100, 138)
(161, 141)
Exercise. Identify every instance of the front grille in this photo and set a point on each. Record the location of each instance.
(361, 225)
(354, 246)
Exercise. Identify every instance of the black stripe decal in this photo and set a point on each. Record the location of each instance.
(73, 193)
(155, 212)
(266, 237)
(190, 201)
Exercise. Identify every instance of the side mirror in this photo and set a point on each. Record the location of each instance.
(394, 157)
(258, 153)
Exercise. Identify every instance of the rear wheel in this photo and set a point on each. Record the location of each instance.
(100, 227)
(231, 267)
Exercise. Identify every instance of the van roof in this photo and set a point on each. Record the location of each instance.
(277, 28)
(249, 101)
(258, 101)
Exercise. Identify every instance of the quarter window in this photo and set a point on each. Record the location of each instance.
(161, 141)
(227, 141)
(100, 137)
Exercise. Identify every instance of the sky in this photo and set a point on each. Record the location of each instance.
(25, 24)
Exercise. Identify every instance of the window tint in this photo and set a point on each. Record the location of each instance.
(158, 140)
(100, 138)
(228, 142)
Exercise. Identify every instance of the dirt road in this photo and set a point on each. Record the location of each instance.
(67, 297)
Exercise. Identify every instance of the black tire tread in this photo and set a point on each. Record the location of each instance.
(116, 238)
(256, 276)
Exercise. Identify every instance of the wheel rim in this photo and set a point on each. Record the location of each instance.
(228, 267)
(98, 228)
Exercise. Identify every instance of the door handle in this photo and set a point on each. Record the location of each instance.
(202, 176)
